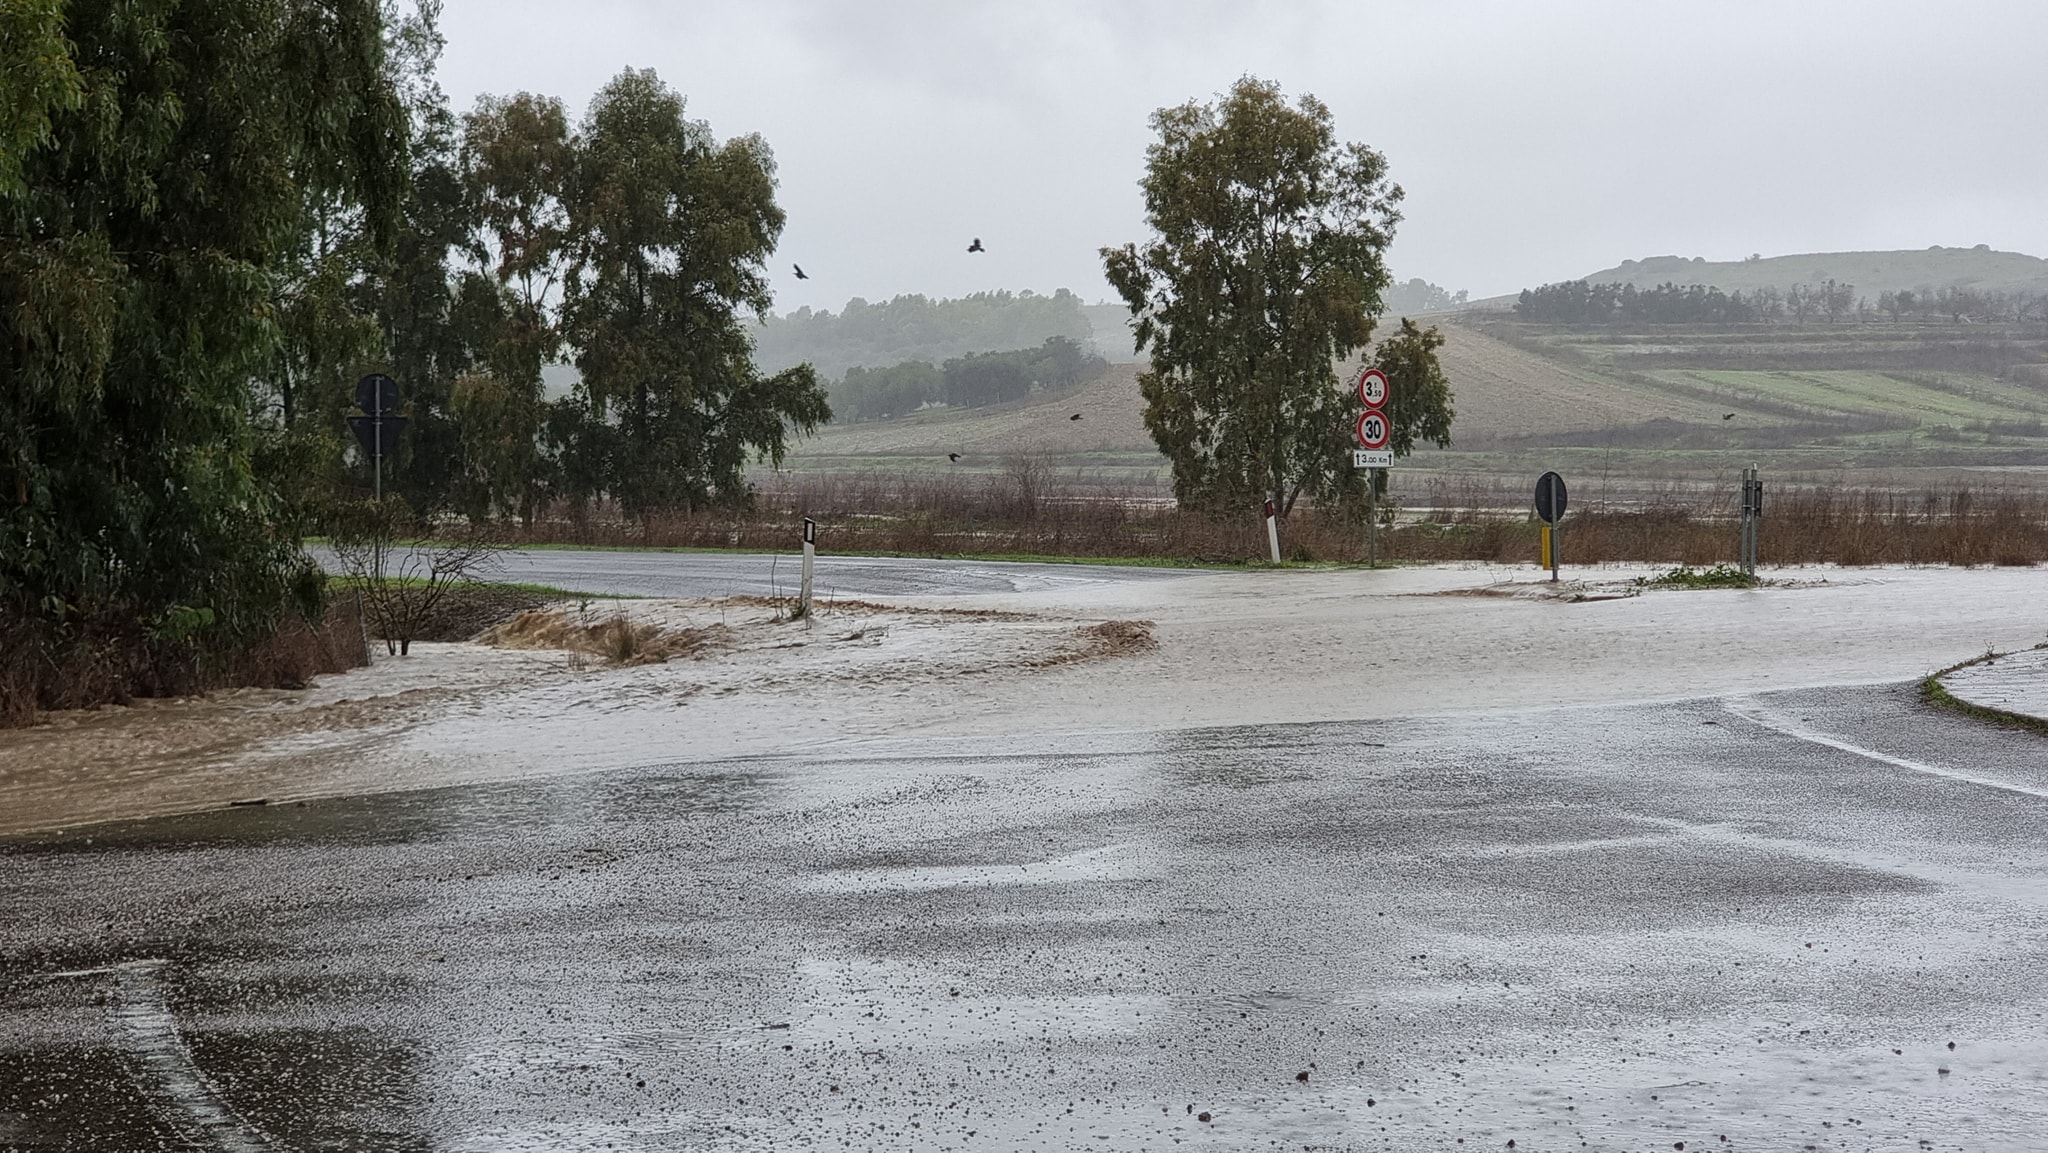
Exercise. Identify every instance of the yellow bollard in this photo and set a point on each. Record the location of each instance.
(1543, 560)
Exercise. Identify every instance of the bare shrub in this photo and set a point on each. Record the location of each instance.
(391, 559)
(1029, 510)
(615, 640)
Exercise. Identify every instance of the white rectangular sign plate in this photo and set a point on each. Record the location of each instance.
(1372, 458)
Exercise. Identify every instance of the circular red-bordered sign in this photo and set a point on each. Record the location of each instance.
(1372, 387)
(1373, 429)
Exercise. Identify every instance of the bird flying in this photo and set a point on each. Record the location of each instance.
(800, 275)
(976, 246)
(1076, 416)
(954, 457)
(1727, 416)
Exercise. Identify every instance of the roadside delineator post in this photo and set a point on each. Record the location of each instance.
(803, 596)
(1273, 528)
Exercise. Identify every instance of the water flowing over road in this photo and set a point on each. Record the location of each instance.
(1806, 919)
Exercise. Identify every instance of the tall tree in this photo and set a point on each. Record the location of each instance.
(1266, 267)
(671, 233)
(1420, 405)
(413, 295)
(138, 250)
(516, 158)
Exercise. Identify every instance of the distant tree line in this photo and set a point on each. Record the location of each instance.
(1581, 302)
(1960, 305)
(976, 380)
(1419, 295)
(917, 327)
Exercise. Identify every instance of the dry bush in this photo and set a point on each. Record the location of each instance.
(101, 666)
(616, 640)
(1026, 510)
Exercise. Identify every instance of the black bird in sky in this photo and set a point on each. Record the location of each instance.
(1727, 416)
(954, 457)
(1076, 416)
(976, 246)
(800, 275)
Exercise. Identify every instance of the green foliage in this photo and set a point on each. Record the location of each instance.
(1420, 405)
(37, 79)
(907, 328)
(1719, 577)
(1577, 302)
(140, 244)
(976, 380)
(516, 159)
(1266, 267)
(671, 231)
(880, 393)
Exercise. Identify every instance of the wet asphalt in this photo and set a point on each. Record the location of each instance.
(1814, 920)
(620, 572)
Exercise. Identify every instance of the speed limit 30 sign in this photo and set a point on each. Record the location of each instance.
(1373, 429)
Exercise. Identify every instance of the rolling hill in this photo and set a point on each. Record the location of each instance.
(1868, 404)
(1871, 272)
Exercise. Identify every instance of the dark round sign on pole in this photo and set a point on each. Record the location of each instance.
(377, 394)
(1550, 497)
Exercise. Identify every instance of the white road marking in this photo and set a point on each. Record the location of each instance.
(174, 1084)
(1750, 710)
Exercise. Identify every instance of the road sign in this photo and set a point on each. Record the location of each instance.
(1550, 497)
(1372, 387)
(1373, 429)
(1372, 458)
(377, 394)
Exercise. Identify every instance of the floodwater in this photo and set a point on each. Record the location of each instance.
(1778, 920)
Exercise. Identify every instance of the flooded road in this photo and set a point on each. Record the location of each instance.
(652, 573)
(1812, 919)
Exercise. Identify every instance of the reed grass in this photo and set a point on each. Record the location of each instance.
(1030, 513)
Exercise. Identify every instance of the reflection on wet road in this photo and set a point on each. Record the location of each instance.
(1748, 924)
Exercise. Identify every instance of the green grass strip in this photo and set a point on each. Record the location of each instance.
(1934, 693)
(342, 583)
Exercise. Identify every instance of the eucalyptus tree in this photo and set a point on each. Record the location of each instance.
(175, 146)
(1266, 269)
(670, 233)
(516, 157)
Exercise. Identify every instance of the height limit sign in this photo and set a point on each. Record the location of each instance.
(1374, 431)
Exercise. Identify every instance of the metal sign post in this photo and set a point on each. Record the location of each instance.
(803, 597)
(377, 395)
(1550, 505)
(1752, 516)
(1375, 433)
(1273, 528)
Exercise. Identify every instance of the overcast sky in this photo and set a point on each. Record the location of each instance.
(1536, 141)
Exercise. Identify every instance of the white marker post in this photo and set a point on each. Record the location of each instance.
(1273, 529)
(803, 598)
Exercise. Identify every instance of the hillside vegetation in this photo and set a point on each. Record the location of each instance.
(1906, 270)
(915, 328)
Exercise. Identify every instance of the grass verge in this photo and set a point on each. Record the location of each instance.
(1934, 693)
